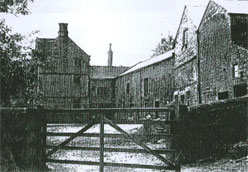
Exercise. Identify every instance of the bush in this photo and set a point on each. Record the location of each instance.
(238, 150)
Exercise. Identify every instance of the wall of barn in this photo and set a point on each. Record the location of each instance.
(122, 97)
(218, 54)
(64, 80)
(148, 87)
(102, 93)
(186, 83)
(186, 62)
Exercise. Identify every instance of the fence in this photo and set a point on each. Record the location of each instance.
(24, 132)
(114, 116)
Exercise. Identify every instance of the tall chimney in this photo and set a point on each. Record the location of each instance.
(110, 56)
(63, 32)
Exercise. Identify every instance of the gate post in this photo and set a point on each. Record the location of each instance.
(101, 167)
(43, 131)
(181, 112)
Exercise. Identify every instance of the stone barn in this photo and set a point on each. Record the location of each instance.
(185, 67)
(102, 83)
(223, 50)
(147, 84)
(64, 80)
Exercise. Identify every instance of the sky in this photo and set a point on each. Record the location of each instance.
(134, 27)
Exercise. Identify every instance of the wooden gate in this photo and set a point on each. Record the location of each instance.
(113, 117)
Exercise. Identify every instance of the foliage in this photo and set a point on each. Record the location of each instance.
(165, 45)
(14, 6)
(18, 62)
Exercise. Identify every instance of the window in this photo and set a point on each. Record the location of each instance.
(182, 98)
(127, 88)
(102, 91)
(76, 103)
(145, 86)
(239, 30)
(240, 90)
(223, 95)
(235, 71)
(176, 97)
(185, 38)
(93, 88)
(76, 79)
(188, 97)
(77, 62)
(157, 106)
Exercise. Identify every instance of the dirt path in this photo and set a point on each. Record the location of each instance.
(120, 157)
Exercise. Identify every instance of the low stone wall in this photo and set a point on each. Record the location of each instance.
(22, 143)
(209, 130)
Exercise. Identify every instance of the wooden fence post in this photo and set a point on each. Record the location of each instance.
(101, 167)
(43, 131)
(181, 112)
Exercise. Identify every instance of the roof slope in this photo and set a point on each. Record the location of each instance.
(234, 6)
(106, 72)
(150, 61)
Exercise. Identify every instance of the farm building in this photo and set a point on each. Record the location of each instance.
(64, 80)
(223, 50)
(208, 62)
(102, 83)
(185, 67)
(147, 84)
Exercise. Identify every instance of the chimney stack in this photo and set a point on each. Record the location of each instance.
(63, 32)
(110, 55)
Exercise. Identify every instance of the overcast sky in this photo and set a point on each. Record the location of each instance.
(134, 27)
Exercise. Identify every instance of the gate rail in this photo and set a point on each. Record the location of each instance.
(109, 116)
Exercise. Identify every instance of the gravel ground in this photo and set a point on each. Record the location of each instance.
(224, 165)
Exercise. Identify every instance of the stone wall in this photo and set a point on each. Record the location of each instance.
(150, 86)
(186, 75)
(209, 130)
(64, 79)
(218, 54)
(102, 93)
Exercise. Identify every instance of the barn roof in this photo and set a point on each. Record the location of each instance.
(106, 72)
(234, 6)
(150, 61)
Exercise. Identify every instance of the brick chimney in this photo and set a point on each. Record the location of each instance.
(110, 56)
(63, 32)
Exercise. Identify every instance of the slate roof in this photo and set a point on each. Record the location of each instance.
(150, 61)
(107, 72)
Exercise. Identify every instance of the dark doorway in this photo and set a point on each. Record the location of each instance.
(156, 106)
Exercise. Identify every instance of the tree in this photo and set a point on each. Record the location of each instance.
(15, 6)
(165, 45)
(18, 60)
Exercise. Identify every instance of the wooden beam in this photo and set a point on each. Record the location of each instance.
(107, 111)
(105, 135)
(110, 164)
(129, 150)
(139, 166)
(72, 162)
(70, 138)
(101, 166)
(161, 158)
